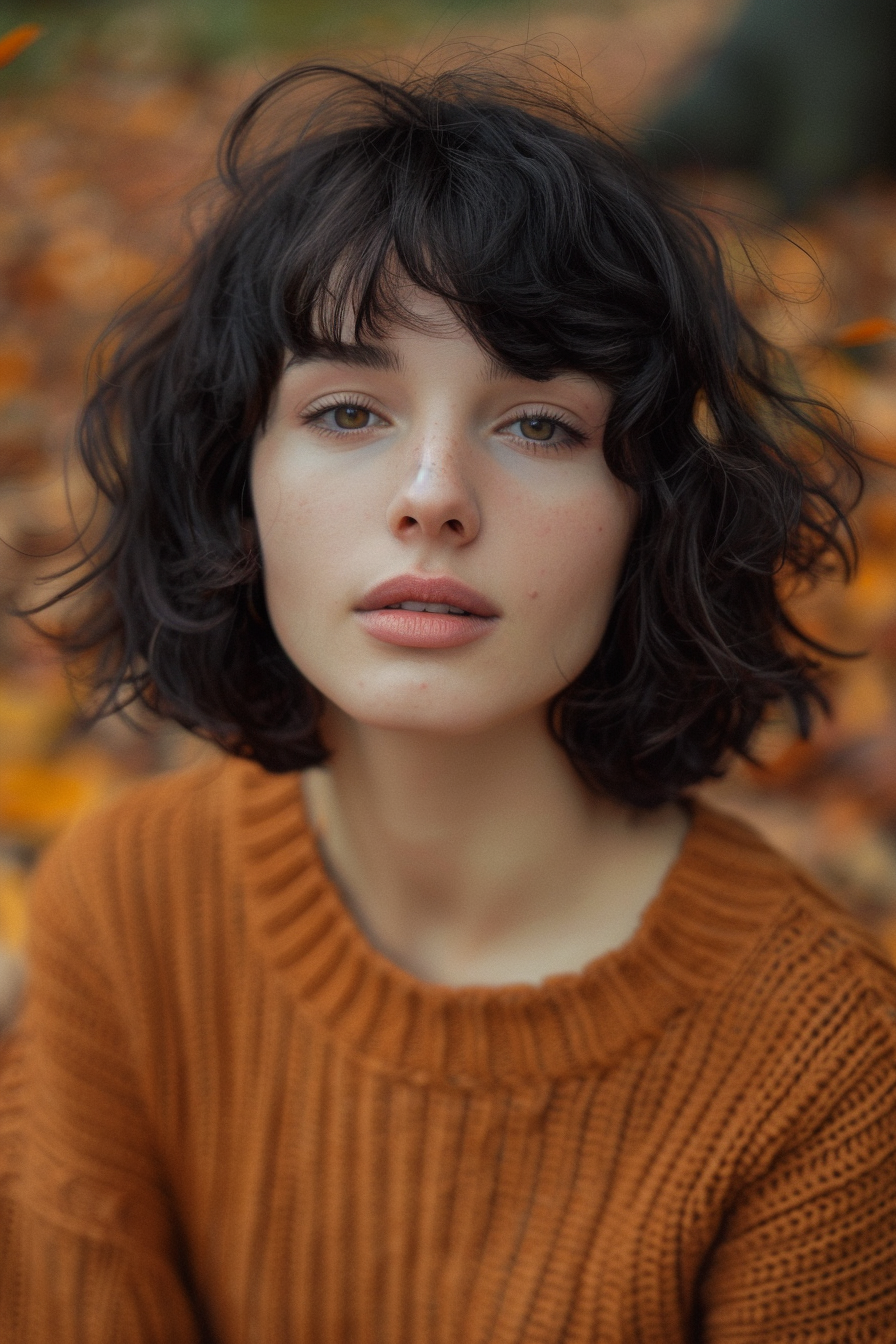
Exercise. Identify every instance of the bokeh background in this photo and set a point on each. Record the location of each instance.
(777, 124)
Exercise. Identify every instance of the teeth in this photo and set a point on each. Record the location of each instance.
(439, 608)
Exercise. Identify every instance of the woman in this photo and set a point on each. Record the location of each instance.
(449, 494)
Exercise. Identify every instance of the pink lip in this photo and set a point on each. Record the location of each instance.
(425, 629)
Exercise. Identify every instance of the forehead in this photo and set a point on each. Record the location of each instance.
(347, 313)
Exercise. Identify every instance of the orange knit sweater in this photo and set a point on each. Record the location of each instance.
(227, 1118)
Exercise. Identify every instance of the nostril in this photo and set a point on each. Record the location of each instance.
(455, 524)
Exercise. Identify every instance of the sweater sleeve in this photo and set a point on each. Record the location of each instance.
(808, 1254)
(89, 1243)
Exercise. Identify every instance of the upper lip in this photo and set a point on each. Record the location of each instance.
(422, 588)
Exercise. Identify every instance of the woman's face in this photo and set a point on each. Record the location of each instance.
(418, 471)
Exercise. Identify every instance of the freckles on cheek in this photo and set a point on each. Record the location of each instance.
(565, 531)
(581, 543)
(288, 510)
(546, 525)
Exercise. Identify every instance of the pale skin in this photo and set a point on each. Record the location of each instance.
(461, 838)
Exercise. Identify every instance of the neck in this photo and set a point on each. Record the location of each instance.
(443, 810)
(451, 849)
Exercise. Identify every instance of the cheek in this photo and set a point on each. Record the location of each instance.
(579, 548)
(301, 530)
(284, 524)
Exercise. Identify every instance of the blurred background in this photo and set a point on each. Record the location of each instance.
(777, 116)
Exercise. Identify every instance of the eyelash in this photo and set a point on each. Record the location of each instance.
(572, 435)
(314, 416)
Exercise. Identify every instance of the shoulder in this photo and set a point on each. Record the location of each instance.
(767, 901)
(158, 838)
(141, 905)
(141, 809)
(801, 998)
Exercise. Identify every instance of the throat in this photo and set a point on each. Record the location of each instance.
(468, 885)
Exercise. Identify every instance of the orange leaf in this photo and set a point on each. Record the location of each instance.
(17, 39)
(870, 331)
(16, 370)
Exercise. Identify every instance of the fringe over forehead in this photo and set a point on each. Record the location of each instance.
(548, 238)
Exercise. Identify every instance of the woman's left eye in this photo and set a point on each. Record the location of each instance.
(537, 427)
(544, 429)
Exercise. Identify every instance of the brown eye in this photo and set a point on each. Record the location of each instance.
(537, 428)
(351, 417)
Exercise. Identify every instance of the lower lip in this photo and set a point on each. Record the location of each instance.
(424, 629)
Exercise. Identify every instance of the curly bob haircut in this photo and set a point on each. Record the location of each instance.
(558, 249)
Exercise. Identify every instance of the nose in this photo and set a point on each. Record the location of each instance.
(436, 502)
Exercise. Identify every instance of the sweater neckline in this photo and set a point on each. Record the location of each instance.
(688, 938)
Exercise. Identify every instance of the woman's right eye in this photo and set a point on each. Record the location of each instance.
(347, 415)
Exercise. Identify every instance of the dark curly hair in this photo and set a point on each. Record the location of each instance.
(558, 250)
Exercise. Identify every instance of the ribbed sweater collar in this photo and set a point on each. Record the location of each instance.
(689, 939)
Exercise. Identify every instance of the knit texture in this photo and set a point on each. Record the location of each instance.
(226, 1117)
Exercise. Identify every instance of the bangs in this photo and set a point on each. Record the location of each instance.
(516, 223)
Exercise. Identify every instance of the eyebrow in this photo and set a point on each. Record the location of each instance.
(374, 356)
(358, 355)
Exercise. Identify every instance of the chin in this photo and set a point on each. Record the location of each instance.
(429, 708)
